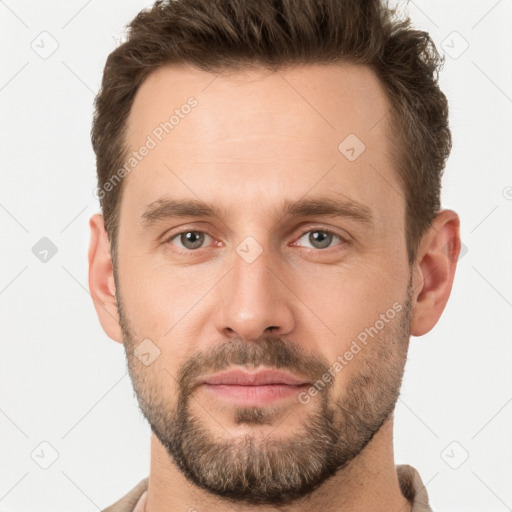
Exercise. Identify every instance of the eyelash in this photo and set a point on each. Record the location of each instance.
(343, 240)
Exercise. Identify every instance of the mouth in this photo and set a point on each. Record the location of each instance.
(260, 388)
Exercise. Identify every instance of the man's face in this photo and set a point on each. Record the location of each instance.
(253, 287)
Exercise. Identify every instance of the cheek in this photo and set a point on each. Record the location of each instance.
(338, 299)
(161, 306)
(352, 314)
(155, 299)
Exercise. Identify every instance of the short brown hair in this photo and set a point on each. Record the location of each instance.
(217, 35)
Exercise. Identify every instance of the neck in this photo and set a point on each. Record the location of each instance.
(369, 483)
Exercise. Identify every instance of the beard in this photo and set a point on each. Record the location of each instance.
(275, 468)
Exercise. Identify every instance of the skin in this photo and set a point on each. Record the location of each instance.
(255, 138)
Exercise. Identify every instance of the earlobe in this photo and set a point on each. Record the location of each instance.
(101, 279)
(434, 271)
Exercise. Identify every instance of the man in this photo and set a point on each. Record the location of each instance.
(271, 235)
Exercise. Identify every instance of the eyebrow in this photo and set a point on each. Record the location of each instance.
(169, 208)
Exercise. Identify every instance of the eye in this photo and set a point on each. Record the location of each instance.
(190, 240)
(321, 238)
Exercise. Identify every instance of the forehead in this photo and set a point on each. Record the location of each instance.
(333, 100)
(261, 135)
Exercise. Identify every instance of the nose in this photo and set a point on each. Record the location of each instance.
(254, 299)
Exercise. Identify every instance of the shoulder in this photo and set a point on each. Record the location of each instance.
(413, 488)
(127, 502)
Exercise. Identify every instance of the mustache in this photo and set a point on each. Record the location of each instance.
(269, 351)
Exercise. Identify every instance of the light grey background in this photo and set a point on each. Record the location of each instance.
(64, 382)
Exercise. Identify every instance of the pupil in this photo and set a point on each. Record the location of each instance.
(320, 236)
(193, 239)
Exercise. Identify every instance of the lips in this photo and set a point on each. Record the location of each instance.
(261, 378)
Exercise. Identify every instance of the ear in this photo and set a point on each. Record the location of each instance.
(434, 271)
(101, 279)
